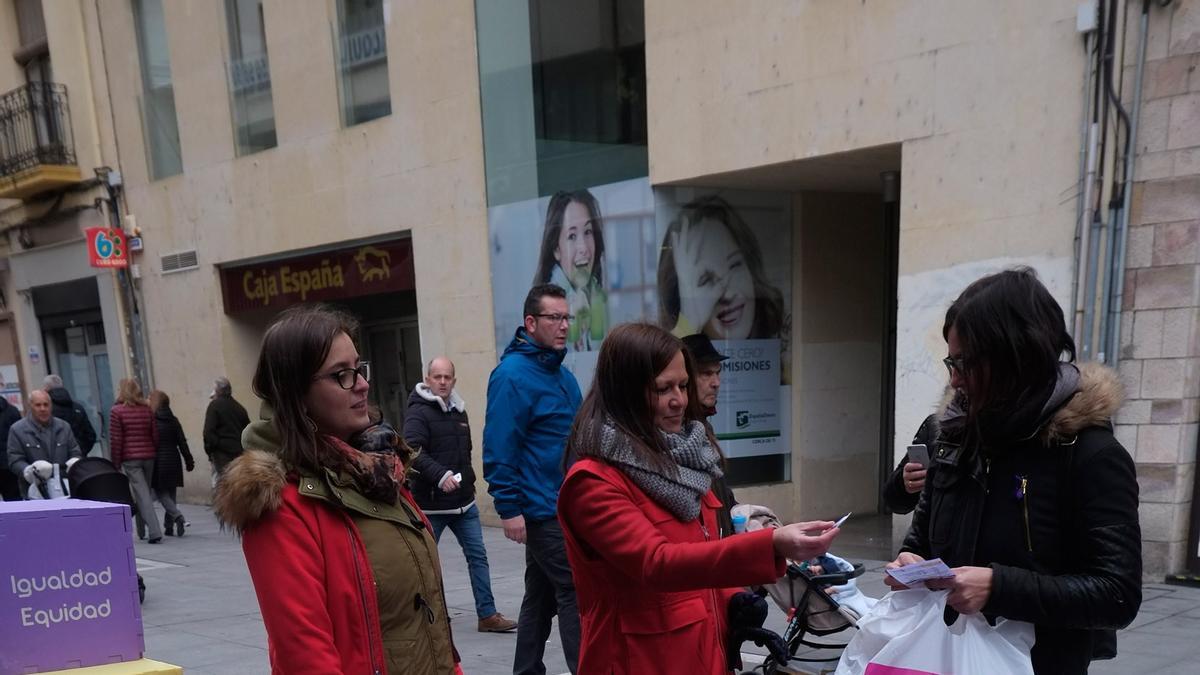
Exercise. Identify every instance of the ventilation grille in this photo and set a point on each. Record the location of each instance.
(178, 262)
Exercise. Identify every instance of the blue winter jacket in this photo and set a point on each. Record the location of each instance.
(531, 402)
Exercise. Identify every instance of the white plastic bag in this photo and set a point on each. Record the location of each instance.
(56, 488)
(905, 634)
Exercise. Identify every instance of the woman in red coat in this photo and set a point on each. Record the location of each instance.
(343, 562)
(657, 589)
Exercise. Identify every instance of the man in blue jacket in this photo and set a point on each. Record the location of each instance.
(531, 402)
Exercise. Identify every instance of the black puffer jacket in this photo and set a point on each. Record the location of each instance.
(1055, 517)
(72, 413)
(442, 434)
(168, 469)
(895, 497)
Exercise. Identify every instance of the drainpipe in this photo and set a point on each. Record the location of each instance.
(1122, 234)
(1087, 148)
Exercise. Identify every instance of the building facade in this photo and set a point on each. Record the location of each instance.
(422, 164)
(58, 177)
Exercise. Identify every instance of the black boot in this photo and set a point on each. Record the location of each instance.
(180, 523)
(168, 525)
(141, 527)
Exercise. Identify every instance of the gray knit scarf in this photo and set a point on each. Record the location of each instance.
(678, 490)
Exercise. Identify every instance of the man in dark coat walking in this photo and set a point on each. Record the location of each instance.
(223, 425)
(443, 481)
(70, 412)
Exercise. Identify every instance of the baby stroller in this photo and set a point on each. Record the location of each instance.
(812, 612)
(808, 595)
(96, 479)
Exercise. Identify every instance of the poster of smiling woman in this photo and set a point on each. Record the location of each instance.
(724, 270)
(598, 243)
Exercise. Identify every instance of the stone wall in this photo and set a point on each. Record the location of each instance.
(1160, 342)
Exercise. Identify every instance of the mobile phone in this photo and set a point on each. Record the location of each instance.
(842, 520)
(919, 454)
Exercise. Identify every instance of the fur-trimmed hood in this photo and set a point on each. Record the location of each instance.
(1097, 399)
(251, 487)
(1100, 395)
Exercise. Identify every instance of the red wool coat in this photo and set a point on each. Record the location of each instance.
(653, 592)
(132, 433)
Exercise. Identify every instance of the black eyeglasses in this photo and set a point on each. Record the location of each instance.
(557, 318)
(346, 378)
(955, 364)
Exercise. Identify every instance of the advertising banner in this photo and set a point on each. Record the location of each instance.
(691, 260)
(11, 387)
(598, 244)
(360, 270)
(107, 247)
(724, 270)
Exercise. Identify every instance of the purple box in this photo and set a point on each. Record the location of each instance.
(68, 586)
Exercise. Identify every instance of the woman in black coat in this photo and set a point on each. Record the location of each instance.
(1031, 499)
(168, 470)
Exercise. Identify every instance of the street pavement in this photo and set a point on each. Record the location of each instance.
(201, 612)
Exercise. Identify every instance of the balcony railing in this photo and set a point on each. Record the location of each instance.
(35, 132)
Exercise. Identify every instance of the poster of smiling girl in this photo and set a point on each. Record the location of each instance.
(572, 257)
(599, 243)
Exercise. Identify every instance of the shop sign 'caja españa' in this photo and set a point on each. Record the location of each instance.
(68, 586)
(107, 247)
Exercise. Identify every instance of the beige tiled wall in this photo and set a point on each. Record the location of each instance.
(1160, 342)
(418, 171)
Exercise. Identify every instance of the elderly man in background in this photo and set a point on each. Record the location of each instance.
(223, 424)
(69, 411)
(39, 442)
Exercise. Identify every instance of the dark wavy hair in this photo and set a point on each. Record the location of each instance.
(555, 213)
(631, 357)
(768, 300)
(294, 347)
(1013, 336)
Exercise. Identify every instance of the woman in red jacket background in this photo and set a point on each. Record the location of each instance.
(133, 441)
(658, 591)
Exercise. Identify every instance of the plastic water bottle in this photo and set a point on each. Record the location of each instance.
(739, 524)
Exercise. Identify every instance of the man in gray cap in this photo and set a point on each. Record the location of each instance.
(706, 361)
(708, 370)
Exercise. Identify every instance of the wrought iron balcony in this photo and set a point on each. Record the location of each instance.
(37, 149)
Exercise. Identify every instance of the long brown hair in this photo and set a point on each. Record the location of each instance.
(294, 348)
(129, 392)
(631, 357)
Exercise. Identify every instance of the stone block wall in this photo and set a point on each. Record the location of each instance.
(1160, 341)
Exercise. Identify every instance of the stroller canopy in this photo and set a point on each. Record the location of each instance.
(96, 478)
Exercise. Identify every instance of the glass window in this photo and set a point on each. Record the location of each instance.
(362, 61)
(249, 77)
(563, 94)
(159, 124)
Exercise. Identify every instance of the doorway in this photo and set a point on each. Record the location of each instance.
(394, 350)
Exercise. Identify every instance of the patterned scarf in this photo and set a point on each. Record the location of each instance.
(678, 490)
(376, 465)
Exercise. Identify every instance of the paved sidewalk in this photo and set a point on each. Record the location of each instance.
(201, 612)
